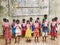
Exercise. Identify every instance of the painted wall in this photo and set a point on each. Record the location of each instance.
(54, 11)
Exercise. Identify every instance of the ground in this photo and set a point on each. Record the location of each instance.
(23, 41)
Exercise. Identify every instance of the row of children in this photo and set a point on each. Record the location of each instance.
(29, 29)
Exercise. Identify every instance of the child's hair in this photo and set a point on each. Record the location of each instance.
(13, 20)
(45, 15)
(17, 21)
(31, 18)
(7, 20)
(28, 21)
(4, 19)
(37, 18)
(43, 20)
(53, 19)
(23, 20)
(56, 18)
(36, 21)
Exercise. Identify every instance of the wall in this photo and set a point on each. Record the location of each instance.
(54, 11)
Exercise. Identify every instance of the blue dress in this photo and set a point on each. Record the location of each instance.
(32, 27)
(13, 30)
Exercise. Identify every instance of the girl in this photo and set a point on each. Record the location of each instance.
(18, 31)
(53, 29)
(7, 33)
(28, 31)
(56, 20)
(32, 25)
(39, 25)
(44, 30)
(4, 21)
(13, 29)
(23, 27)
(32, 28)
(36, 31)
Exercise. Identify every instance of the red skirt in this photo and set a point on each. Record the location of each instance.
(53, 33)
(36, 33)
(7, 34)
(23, 32)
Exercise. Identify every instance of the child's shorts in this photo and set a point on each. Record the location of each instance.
(17, 34)
(44, 34)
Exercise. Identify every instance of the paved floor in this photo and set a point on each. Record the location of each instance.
(23, 42)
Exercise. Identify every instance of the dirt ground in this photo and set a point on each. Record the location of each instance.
(23, 41)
